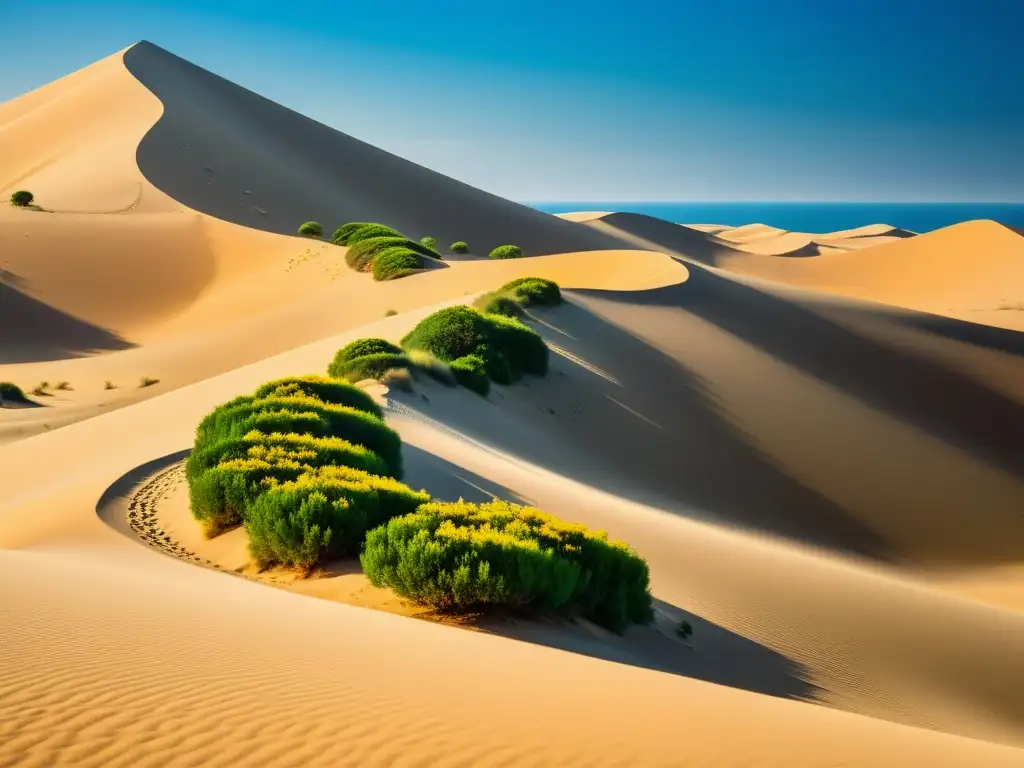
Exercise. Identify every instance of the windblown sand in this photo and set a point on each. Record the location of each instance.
(814, 449)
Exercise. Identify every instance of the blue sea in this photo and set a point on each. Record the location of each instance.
(810, 217)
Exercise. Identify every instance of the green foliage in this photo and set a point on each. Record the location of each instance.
(393, 263)
(367, 231)
(324, 389)
(323, 514)
(507, 252)
(508, 348)
(12, 393)
(471, 372)
(359, 348)
(372, 366)
(342, 233)
(459, 246)
(311, 229)
(499, 304)
(22, 198)
(462, 556)
(429, 242)
(361, 255)
(529, 291)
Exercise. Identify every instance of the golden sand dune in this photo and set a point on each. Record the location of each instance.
(828, 489)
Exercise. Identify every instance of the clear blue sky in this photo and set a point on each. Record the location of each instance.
(545, 100)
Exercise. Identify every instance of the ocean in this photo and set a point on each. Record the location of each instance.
(810, 217)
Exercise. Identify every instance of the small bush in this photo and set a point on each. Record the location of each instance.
(463, 556)
(41, 389)
(471, 372)
(507, 252)
(367, 231)
(311, 229)
(109, 385)
(459, 247)
(344, 365)
(361, 347)
(372, 366)
(533, 290)
(499, 304)
(22, 198)
(393, 263)
(508, 348)
(429, 242)
(63, 386)
(360, 255)
(391, 313)
(12, 393)
(146, 381)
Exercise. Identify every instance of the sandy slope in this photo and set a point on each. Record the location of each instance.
(829, 489)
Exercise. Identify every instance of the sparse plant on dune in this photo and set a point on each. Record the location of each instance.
(109, 385)
(684, 630)
(459, 246)
(11, 393)
(462, 556)
(391, 313)
(508, 348)
(507, 252)
(147, 381)
(64, 386)
(311, 229)
(41, 389)
(22, 198)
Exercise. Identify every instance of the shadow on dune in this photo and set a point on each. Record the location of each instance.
(445, 481)
(715, 654)
(651, 233)
(232, 154)
(36, 332)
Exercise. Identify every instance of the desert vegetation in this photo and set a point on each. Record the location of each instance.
(22, 198)
(11, 393)
(306, 464)
(147, 381)
(311, 229)
(511, 299)
(462, 556)
(506, 252)
(459, 246)
(507, 347)
(383, 251)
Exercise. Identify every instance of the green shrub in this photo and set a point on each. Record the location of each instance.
(459, 247)
(464, 556)
(429, 242)
(533, 290)
(12, 393)
(372, 366)
(221, 495)
(22, 198)
(342, 233)
(323, 514)
(311, 229)
(471, 372)
(507, 252)
(509, 348)
(360, 348)
(499, 304)
(360, 255)
(438, 370)
(367, 231)
(326, 390)
(396, 262)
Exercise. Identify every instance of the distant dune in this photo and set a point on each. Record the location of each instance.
(813, 439)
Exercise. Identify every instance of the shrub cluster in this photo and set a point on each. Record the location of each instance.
(11, 393)
(459, 246)
(367, 231)
(510, 299)
(507, 348)
(311, 229)
(292, 434)
(429, 242)
(396, 262)
(507, 252)
(22, 198)
(463, 556)
(382, 250)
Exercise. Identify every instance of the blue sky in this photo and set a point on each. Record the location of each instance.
(539, 100)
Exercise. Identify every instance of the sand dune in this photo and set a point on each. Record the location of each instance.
(828, 488)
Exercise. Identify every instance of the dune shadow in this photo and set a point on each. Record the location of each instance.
(712, 654)
(41, 333)
(445, 481)
(937, 398)
(110, 507)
